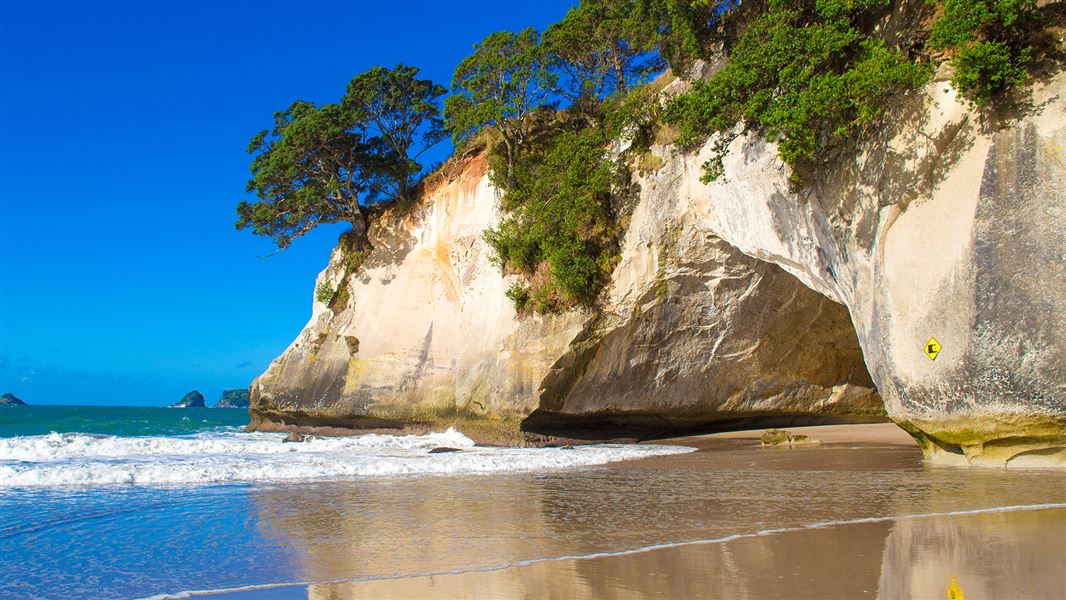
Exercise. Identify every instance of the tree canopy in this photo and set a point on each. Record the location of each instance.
(313, 167)
(499, 86)
(402, 111)
(599, 49)
(325, 164)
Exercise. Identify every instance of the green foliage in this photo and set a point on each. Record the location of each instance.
(984, 70)
(400, 110)
(638, 114)
(804, 74)
(355, 252)
(560, 229)
(683, 27)
(499, 86)
(990, 42)
(324, 293)
(601, 48)
(324, 164)
(340, 299)
(519, 296)
(313, 167)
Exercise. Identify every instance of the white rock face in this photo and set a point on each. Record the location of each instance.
(723, 307)
(426, 330)
(693, 333)
(945, 228)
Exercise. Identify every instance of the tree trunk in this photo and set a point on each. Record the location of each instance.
(401, 188)
(360, 228)
(510, 161)
(619, 73)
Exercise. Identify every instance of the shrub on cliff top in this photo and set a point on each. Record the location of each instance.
(804, 74)
(990, 41)
(560, 221)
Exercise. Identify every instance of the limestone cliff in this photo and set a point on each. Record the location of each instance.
(944, 227)
(425, 333)
(694, 334)
(743, 301)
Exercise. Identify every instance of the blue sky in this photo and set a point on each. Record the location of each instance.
(123, 129)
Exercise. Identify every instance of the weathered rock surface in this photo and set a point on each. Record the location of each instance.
(10, 399)
(694, 334)
(235, 398)
(427, 335)
(945, 227)
(743, 302)
(193, 399)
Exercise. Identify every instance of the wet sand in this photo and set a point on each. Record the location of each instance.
(856, 516)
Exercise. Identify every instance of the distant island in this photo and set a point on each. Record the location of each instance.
(234, 398)
(193, 399)
(10, 399)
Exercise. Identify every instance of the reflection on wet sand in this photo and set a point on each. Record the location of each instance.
(422, 525)
(1001, 555)
(996, 555)
(485, 536)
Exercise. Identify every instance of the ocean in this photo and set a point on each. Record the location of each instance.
(151, 502)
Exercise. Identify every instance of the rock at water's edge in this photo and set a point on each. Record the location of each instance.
(10, 399)
(193, 399)
(233, 398)
(444, 450)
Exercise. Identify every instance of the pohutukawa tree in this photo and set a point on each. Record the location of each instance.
(499, 86)
(326, 164)
(403, 111)
(601, 48)
(315, 166)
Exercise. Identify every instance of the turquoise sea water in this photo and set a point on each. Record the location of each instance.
(116, 420)
(112, 502)
(126, 502)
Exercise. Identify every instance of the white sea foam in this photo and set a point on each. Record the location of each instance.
(82, 459)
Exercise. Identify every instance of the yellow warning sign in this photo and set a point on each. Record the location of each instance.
(932, 348)
(954, 592)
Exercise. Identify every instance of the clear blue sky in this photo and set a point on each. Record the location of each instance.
(123, 128)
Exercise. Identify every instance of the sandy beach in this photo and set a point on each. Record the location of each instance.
(857, 515)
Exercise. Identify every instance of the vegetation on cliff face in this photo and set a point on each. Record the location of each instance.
(560, 229)
(991, 43)
(805, 74)
(499, 87)
(561, 189)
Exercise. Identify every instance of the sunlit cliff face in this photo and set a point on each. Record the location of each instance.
(733, 303)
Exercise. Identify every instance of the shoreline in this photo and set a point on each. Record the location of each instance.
(430, 580)
(885, 554)
(856, 513)
(508, 431)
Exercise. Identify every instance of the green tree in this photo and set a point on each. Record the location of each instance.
(683, 27)
(803, 74)
(315, 166)
(400, 109)
(991, 42)
(499, 86)
(560, 220)
(601, 48)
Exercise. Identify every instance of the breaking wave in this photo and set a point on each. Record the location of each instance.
(233, 456)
